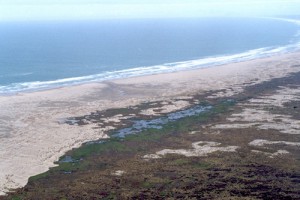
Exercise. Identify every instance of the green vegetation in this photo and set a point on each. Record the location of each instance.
(148, 135)
(202, 165)
(39, 176)
(113, 144)
(80, 156)
(17, 197)
(186, 124)
(181, 161)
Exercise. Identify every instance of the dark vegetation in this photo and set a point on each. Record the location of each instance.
(88, 172)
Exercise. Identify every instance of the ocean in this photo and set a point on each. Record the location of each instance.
(42, 55)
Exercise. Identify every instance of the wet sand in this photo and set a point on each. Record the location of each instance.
(33, 137)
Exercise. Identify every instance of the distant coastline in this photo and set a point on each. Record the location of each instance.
(108, 75)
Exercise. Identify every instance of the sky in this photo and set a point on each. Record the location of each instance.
(26, 10)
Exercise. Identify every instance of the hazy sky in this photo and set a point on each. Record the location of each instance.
(99, 9)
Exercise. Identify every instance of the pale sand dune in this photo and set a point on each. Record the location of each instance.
(32, 137)
(255, 114)
(272, 155)
(261, 143)
(201, 148)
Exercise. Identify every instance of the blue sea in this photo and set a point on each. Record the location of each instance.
(41, 55)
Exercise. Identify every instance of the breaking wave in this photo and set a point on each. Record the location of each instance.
(156, 69)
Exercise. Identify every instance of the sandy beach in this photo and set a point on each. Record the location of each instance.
(33, 136)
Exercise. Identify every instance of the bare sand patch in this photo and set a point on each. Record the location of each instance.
(118, 173)
(171, 107)
(262, 143)
(201, 148)
(282, 96)
(255, 113)
(194, 132)
(272, 155)
(116, 119)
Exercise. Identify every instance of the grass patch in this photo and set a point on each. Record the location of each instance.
(147, 135)
(113, 144)
(180, 161)
(70, 167)
(223, 106)
(202, 165)
(110, 197)
(17, 198)
(39, 176)
(147, 185)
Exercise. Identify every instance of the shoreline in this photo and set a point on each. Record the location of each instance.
(172, 67)
(30, 121)
(102, 83)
